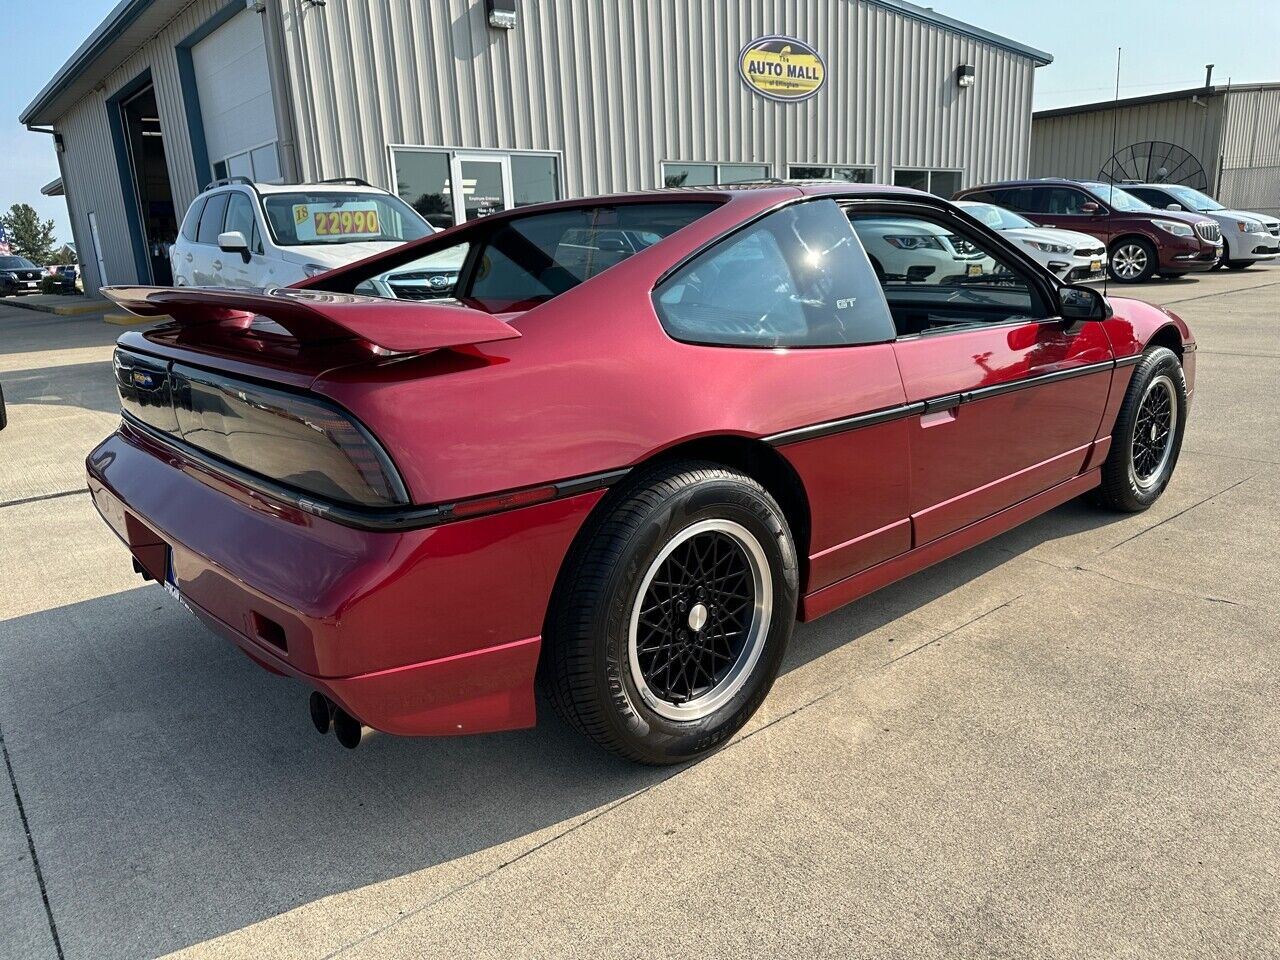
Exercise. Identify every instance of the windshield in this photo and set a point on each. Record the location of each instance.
(996, 217)
(1193, 199)
(17, 263)
(310, 218)
(1117, 198)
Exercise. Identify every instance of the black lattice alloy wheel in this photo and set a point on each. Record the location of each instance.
(1147, 436)
(670, 619)
(699, 620)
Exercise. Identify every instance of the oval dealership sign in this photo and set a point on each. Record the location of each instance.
(782, 68)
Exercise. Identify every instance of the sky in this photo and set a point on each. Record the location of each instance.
(1166, 44)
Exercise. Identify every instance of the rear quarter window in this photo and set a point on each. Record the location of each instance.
(211, 219)
(192, 220)
(796, 278)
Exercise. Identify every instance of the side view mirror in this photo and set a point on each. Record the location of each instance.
(233, 241)
(1082, 303)
(1091, 206)
(1174, 206)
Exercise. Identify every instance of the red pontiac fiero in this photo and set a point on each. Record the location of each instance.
(617, 446)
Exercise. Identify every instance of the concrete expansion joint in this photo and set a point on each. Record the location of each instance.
(31, 847)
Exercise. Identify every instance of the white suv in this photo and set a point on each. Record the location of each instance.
(241, 234)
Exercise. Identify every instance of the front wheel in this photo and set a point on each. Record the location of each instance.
(1237, 264)
(1147, 436)
(1132, 261)
(670, 622)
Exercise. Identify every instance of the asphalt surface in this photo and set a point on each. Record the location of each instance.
(1064, 743)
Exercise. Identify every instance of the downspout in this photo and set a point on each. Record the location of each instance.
(282, 97)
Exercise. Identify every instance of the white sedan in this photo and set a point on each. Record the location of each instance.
(1069, 255)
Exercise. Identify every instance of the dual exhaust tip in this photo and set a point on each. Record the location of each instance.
(326, 714)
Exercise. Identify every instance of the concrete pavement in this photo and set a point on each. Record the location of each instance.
(1061, 744)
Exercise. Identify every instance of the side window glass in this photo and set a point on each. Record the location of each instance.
(1019, 199)
(255, 241)
(1065, 201)
(240, 216)
(211, 219)
(796, 278)
(192, 220)
(935, 279)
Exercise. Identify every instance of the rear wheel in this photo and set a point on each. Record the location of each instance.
(671, 621)
(1132, 260)
(1147, 436)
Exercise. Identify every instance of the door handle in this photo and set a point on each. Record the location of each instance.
(217, 264)
(189, 258)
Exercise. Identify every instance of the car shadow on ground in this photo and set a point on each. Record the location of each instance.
(178, 793)
(90, 386)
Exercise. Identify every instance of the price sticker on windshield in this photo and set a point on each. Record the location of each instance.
(351, 221)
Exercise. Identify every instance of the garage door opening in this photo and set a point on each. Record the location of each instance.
(144, 140)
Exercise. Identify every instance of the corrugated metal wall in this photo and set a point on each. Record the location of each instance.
(1079, 145)
(619, 87)
(1251, 151)
(89, 163)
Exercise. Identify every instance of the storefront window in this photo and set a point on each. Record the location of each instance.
(534, 179)
(941, 183)
(847, 174)
(486, 181)
(422, 181)
(708, 174)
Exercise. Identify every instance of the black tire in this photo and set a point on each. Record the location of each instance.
(1131, 479)
(587, 668)
(1237, 264)
(1136, 250)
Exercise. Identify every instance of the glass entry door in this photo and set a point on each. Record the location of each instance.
(481, 185)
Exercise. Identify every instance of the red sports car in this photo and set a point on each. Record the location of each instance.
(629, 443)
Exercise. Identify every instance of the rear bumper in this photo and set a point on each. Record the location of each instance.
(421, 632)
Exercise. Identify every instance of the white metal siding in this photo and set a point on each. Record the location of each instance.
(619, 87)
(89, 163)
(235, 87)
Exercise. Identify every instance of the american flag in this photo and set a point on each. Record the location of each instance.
(4, 241)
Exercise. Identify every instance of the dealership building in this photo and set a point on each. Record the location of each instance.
(1223, 140)
(467, 106)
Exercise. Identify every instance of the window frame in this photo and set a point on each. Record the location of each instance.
(715, 165)
(727, 237)
(869, 167)
(929, 171)
(450, 151)
(1043, 283)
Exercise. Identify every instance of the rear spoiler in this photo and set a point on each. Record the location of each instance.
(315, 316)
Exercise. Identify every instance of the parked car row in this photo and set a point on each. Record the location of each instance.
(238, 233)
(18, 275)
(1146, 229)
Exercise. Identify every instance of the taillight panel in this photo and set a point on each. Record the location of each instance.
(298, 441)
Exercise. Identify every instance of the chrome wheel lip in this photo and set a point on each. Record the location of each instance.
(753, 648)
(1148, 480)
(1129, 261)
